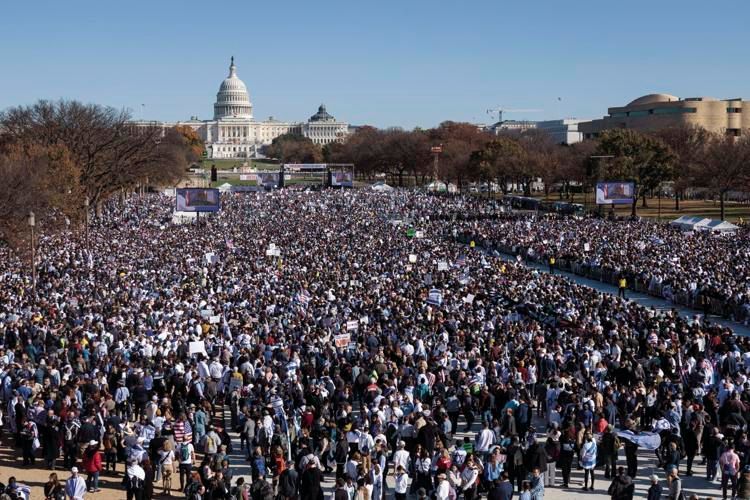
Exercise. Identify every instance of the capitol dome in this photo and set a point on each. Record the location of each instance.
(233, 100)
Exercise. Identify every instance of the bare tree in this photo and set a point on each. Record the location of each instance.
(725, 166)
(689, 143)
(111, 152)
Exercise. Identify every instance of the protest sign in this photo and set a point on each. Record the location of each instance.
(341, 340)
(435, 297)
(442, 266)
(352, 325)
(198, 347)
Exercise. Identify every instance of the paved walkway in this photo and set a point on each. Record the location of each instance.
(640, 298)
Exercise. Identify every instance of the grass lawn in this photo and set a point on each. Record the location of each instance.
(229, 164)
(233, 182)
(733, 212)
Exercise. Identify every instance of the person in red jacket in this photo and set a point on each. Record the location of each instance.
(92, 464)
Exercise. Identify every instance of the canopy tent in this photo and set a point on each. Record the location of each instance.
(382, 187)
(717, 226)
(225, 188)
(688, 223)
(441, 187)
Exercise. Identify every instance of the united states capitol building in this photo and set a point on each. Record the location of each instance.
(234, 133)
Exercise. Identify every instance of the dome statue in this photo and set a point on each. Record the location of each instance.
(233, 100)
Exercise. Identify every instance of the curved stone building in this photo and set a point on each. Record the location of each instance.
(658, 111)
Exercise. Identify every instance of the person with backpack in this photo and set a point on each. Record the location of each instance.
(186, 457)
(70, 440)
(134, 480)
(239, 490)
(622, 487)
(729, 462)
(260, 489)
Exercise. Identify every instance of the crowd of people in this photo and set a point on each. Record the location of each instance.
(693, 267)
(348, 337)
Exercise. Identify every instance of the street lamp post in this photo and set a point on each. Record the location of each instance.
(86, 221)
(32, 223)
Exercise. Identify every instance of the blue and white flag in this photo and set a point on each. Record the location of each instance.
(435, 297)
(645, 440)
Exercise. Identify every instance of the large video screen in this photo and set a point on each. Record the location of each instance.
(197, 200)
(267, 179)
(342, 178)
(615, 193)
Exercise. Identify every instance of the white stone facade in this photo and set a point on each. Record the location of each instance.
(233, 133)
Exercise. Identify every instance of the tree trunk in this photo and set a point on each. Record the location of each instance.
(676, 201)
(645, 203)
(721, 203)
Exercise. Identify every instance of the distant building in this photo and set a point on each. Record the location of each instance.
(234, 133)
(510, 125)
(658, 111)
(563, 131)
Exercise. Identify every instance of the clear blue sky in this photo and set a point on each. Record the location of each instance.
(389, 63)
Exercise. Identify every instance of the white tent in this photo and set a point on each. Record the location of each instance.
(441, 187)
(687, 223)
(382, 187)
(225, 188)
(716, 226)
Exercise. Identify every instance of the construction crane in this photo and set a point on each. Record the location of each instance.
(500, 110)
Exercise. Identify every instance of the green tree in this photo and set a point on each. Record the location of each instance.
(641, 158)
(497, 161)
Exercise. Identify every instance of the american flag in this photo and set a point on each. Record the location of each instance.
(303, 298)
(461, 261)
(183, 432)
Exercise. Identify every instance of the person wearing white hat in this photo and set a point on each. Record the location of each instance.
(75, 486)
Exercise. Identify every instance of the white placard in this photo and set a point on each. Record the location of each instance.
(412, 258)
(211, 258)
(352, 325)
(214, 319)
(469, 298)
(420, 234)
(586, 247)
(442, 266)
(198, 347)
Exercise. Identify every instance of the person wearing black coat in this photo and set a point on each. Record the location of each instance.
(536, 457)
(310, 483)
(622, 487)
(690, 439)
(426, 437)
(655, 490)
(289, 483)
(341, 454)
